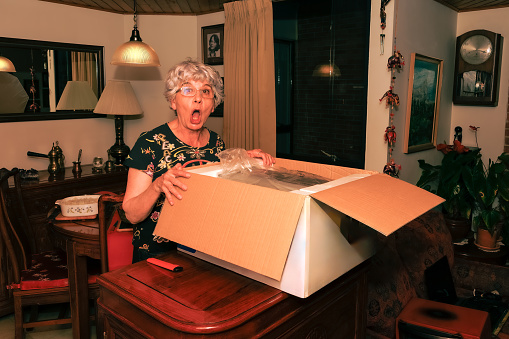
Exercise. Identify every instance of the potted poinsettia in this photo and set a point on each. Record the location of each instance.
(447, 181)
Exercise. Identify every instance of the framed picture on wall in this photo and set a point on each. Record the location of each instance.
(424, 87)
(213, 42)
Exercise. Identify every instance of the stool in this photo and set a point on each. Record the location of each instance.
(445, 320)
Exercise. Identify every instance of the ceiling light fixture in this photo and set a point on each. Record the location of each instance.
(326, 70)
(135, 52)
(6, 65)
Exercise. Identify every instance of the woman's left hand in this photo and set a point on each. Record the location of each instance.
(268, 159)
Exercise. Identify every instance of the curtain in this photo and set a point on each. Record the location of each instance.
(250, 100)
(84, 68)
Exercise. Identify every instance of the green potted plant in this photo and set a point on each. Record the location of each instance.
(488, 185)
(447, 181)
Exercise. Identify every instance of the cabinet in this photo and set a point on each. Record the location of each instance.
(39, 197)
(207, 301)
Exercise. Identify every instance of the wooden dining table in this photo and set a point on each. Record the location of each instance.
(80, 239)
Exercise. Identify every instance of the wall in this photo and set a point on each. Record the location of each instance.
(377, 116)
(492, 120)
(23, 19)
(423, 26)
(416, 34)
(213, 123)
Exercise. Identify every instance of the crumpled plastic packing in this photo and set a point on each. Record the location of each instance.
(237, 165)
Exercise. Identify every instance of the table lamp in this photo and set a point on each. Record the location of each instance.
(118, 99)
(77, 95)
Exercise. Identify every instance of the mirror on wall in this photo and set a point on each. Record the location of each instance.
(43, 69)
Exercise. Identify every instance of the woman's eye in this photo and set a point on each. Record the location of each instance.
(187, 91)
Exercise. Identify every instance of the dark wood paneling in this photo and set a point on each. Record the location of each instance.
(197, 7)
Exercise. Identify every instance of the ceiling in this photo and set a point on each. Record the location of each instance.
(473, 5)
(198, 7)
(178, 7)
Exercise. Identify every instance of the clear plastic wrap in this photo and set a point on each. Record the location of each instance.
(237, 165)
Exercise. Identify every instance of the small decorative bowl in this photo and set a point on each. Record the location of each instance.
(79, 205)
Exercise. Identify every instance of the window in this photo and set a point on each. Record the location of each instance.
(321, 117)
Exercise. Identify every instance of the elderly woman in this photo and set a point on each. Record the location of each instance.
(159, 156)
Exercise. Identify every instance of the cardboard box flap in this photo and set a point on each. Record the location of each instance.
(258, 240)
(331, 172)
(380, 201)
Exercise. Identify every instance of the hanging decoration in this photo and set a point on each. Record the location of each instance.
(34, 106)
(390, 97)
(394, 64)
(383, 24)
(396, 61)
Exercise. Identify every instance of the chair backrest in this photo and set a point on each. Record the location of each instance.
(115, 246)
(13, 223)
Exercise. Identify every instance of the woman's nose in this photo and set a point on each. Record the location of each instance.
(198, 96)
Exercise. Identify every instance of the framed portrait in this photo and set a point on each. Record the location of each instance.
(213, 42)
(424, 88)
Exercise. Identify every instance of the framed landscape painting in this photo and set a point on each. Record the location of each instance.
(424, 87)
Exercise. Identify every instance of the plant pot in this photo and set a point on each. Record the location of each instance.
(458, 227)
(486, 241)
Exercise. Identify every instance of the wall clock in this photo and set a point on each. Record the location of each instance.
(477, 68)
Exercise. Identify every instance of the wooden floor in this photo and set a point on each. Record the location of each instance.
(49, 332)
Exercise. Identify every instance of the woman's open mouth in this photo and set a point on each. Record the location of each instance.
(196, 117)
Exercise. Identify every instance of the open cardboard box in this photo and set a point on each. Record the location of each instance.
(295, 241)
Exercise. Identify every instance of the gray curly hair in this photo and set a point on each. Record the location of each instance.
(196, 71)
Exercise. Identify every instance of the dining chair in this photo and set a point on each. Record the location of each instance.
(115, 232)
(33, 278)
(115, 237)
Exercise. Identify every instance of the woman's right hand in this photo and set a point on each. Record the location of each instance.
(168, 183)
(142, 193)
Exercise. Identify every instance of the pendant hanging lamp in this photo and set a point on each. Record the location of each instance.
(6, 65)
(135, 52)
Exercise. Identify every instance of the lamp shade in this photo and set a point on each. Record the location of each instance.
(135, 53)
(77, 95)
(6, 65)
(326, 70)
(118, 98)
(13, 97)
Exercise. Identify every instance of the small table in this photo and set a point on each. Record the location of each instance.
(80, 239)
(470, 251)
(451, 319)
(207, 301)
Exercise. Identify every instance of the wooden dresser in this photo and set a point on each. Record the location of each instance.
(40, 196)
(207, 301)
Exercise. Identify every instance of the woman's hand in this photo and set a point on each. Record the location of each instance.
(268, 159)
(142, 193)
(168, 182)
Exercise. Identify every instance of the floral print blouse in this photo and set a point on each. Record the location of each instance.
(154, 153)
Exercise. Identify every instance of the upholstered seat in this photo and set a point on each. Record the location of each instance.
(49, 270)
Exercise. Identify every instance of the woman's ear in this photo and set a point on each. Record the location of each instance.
(173, 105)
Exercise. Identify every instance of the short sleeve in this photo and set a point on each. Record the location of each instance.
(142, 155)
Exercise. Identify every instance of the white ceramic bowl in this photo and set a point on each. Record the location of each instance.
(79, 205)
